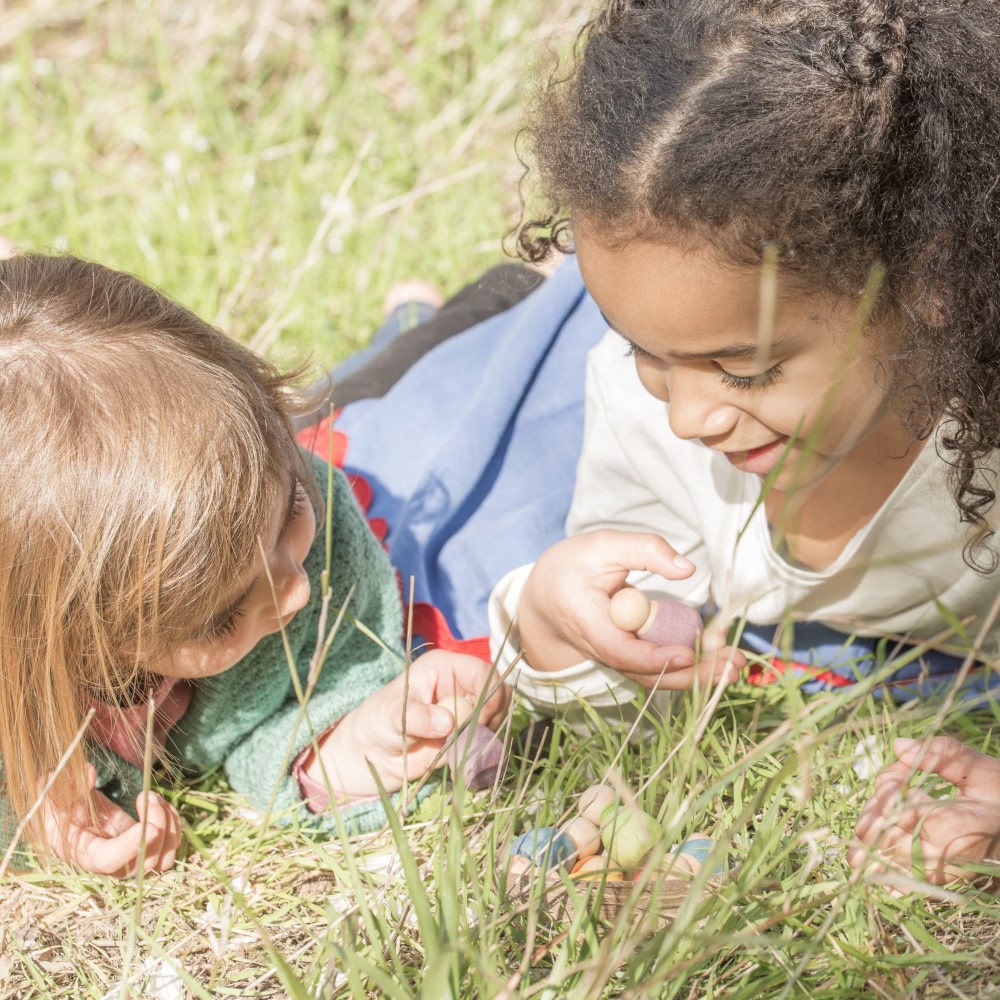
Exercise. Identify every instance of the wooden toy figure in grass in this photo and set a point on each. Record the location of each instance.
(612, 840)
(665, 623)
(477, 751)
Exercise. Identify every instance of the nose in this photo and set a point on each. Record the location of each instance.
(696, 411)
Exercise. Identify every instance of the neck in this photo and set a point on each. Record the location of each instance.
(814, 523)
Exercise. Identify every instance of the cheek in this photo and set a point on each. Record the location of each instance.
(206, 659)
(858, 396)
(309, 528)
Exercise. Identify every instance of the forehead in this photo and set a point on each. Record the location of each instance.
(647, 287)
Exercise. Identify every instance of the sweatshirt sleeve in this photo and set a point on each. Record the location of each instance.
(610, 492)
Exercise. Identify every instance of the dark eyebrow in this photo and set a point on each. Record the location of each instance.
(740, 352)
(230, 608)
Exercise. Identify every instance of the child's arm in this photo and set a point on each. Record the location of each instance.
(371, 736)
(906, 828)
(109, 841)
(564, 612)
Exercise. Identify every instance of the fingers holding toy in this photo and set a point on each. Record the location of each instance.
(162, 831)
(401, 729)
(604, 558)
(563, 610)
(674, 630)
(719, 666)
(475, 751)
(440, 690)
(663, 623)
(456, 680)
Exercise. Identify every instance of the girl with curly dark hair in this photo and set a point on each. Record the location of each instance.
(788, 211)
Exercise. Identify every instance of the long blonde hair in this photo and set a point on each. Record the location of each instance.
(141, 454)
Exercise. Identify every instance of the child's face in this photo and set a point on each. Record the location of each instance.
(809, 389)
(250, 611)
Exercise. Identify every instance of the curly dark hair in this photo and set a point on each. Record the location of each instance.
(852, 135)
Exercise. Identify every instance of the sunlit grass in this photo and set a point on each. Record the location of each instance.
(425, 910)
(276, 167)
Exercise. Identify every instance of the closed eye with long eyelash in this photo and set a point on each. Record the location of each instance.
(747, 382)
(225, 626)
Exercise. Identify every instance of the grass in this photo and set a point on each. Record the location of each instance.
(425, 912)
(276, 167)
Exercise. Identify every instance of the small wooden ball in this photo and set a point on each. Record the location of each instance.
(459, 706)
(629, 835)
(667, 623)
(692, 855)
(630, 609)
(518, 865)
(585, 835)
(596, 867)
(594, 800)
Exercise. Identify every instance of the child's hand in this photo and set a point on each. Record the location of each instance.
(373, 732)
(109, 842)
(564, 612)
(906, 828)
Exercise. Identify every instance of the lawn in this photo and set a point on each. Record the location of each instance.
(276, 167)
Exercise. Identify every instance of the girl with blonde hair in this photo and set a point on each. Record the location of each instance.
(160, 579)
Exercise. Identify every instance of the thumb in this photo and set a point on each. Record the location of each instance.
(974, 773)
(428, 722)
(151, 809)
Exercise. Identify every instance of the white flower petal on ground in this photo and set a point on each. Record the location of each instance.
(868, 758)
(163, 980)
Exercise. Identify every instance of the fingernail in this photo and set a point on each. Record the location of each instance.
(442, 721)
(681, 563)
(905, 743)
(681, 660)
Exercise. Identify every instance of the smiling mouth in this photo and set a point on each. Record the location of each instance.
(759, 461)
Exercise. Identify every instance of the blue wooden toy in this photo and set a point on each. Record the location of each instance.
(546, 847)
(693, 854)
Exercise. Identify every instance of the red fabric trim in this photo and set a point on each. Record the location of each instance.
(331, 445)
(361, 490)
(760, 674)
(323, 440)
(431, 625)
(380, 528)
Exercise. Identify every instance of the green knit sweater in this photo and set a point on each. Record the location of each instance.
(247, 720)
